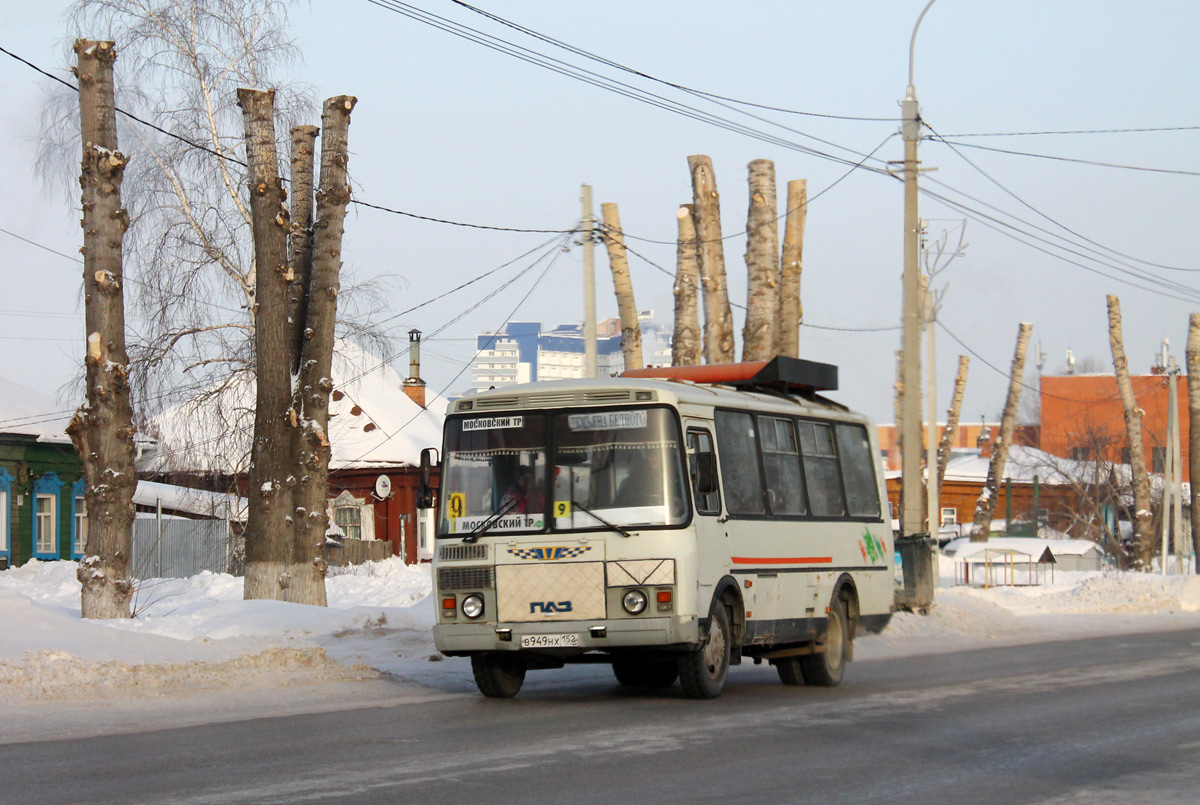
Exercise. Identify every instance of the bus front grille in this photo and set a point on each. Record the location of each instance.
(452, 579)
(551, 591)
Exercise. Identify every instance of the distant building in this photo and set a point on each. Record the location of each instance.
(524, 353)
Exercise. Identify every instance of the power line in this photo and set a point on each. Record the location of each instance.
(604, 82)
(1075, 131)
(1092, 162)
(1029, 206)
(617, 65)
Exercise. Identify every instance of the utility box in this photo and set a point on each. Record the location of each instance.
(914, 573)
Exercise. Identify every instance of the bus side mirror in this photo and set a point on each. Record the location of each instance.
(425, 487)
(704, 473)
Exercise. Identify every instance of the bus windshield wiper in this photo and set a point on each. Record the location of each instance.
(613, 526)
(483, 527)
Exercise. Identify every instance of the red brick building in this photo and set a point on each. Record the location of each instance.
(1082, 417)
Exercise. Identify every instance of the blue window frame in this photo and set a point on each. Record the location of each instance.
(6, 513)
(45, 516)
(79, 524)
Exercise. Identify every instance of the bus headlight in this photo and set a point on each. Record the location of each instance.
(634, 602)
(472, 606)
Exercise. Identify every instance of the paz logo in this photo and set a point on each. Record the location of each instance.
(543, 554)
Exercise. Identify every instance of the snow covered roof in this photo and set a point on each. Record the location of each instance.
(372, 422)
(32, 413)
(190, 501)
(963, 548)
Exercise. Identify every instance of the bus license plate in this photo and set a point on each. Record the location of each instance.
(549, 640)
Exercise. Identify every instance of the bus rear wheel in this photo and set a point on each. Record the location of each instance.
(789, 671)
(702, 672)
(827, 668)
(641, 672)
(499, 675)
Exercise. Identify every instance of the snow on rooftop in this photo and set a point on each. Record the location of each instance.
(190, 501)
(373, 423)
(32, 413)
(963, 548)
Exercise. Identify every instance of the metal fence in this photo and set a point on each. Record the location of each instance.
(183, 548)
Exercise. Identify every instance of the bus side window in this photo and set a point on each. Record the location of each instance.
(821, 470)
(858, 470)
(740, 472)
(700, 448)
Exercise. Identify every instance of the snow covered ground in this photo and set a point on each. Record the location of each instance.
(196, 652)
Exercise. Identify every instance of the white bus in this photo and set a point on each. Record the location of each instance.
(670, 526)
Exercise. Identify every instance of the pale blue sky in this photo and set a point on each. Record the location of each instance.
(448, 129)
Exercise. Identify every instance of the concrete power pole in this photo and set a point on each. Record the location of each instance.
(910, 407)
(589, 287)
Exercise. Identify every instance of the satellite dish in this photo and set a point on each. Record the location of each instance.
(383, 487)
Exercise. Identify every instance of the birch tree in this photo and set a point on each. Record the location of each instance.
(1143, 530)
(762, 264)
(102, 429)
(718, 318)
(686, 341)
(986, 506)
(952, 415)
(631, 331)
(791, 265)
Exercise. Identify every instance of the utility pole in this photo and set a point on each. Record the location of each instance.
(910, 410)
(932, 505)
(589, 286)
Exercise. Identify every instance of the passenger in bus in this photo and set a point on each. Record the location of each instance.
(524, 496)
(643, 486)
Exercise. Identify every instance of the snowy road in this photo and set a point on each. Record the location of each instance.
(1111, 719)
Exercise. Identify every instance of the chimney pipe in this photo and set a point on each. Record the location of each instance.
(414, 386)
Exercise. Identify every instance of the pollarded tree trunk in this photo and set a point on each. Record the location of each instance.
(718, 318)
(102, 429)
(685, 344)
(948, 436)
(631, 331)
(300, 239)
(986, 506)
(762, 264)
(268, 533)
(1193, 381)
(791, 311)
(1143, 532)
(311, 519)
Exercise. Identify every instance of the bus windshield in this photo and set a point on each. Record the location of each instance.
(620, 468)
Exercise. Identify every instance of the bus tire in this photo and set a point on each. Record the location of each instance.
(498, 675)
(639, 672)
(789, 671)
(827, 668)
(702, 672)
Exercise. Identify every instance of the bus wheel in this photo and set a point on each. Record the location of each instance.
(702, 672)
(498, 675)
(826, 669)
(789, 671)
(638, 672)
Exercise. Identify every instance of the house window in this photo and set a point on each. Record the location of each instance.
(47, 525)
(79, 523)
(1080, 453)
(45, 516)
(949, 516)
(1126, 456)
(5, 519)
(1158, 456)
(79, 538)
(349, 519)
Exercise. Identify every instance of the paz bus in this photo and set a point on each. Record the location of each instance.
(670, 522)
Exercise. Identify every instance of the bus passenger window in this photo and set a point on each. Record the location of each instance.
(738, 446)
(858, 471)
(781, 462)
(821, 470)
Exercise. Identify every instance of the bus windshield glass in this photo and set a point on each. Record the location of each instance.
(620, 468)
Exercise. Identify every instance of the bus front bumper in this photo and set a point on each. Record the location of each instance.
(569, 637)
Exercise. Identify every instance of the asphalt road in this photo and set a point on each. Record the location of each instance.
(1114, 720)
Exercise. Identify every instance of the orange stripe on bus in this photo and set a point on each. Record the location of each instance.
(782, 560)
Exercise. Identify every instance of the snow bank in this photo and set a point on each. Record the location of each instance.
(197, 634)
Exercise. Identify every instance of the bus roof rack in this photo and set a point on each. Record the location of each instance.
(790, 375)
